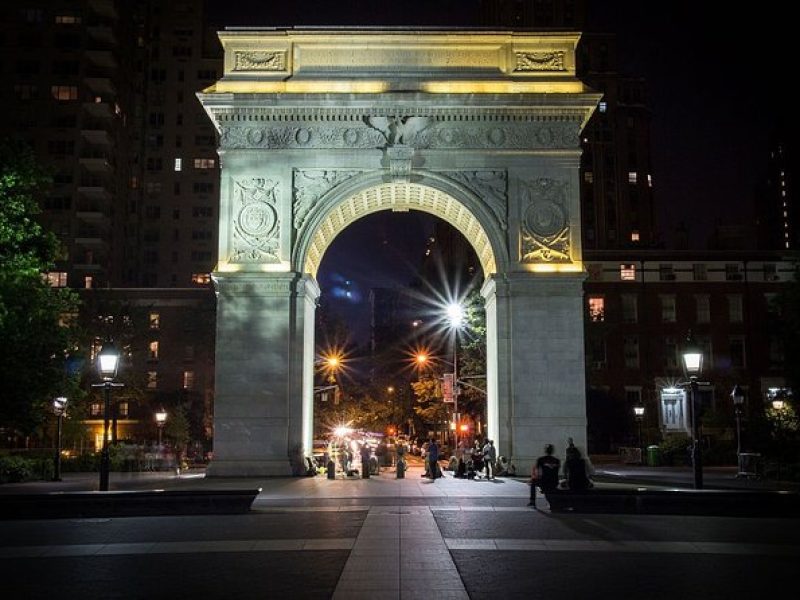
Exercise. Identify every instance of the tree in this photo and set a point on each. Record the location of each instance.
(430, 405)
(177, 429)
(36, 327)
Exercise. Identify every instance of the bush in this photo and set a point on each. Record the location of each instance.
(15, 469)
(674, 449)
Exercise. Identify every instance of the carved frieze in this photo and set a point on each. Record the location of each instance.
(489, 186)
(255, 60)
(418, 134)
(256, 223)
(540, 61)
(400, 157)
(310, 185)
(545, 233)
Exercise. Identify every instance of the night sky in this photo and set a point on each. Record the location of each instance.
(716, 79)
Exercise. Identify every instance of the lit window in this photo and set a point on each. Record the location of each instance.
(178, 164)
(56, 279)
(123, 409)
(204, 163)
(188, 380)
(602, 107)
(64, 92)
(634, 236)
(95, 409)
(87, 282)
(152, 380)
(67, 20)
(588, 177)
(627, 272)
(632, 177)
(155, 320)
(153, 347)
(201, 278)
(597, 309)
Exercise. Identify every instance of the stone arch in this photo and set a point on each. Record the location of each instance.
(430, 192)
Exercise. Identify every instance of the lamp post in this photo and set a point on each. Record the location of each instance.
(107, 365)
(737, 395)
(693, 365)
(455, 319)
(161, 420)
(59, 408)
(638, 414)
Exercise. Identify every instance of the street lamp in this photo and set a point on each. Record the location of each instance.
(59, 408)
(737, 395)
(693, 366)
(455, 319)
(107, 365)
(638, 414)
(161, 420)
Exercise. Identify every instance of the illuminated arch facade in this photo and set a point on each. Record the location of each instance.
(320, 128)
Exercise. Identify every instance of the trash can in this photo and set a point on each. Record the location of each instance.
(653, 456)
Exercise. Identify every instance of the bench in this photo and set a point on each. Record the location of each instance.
(647, 501)
(65, 505)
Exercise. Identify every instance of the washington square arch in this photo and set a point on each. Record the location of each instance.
(319, 128)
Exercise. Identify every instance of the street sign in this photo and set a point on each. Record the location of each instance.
(447, 387)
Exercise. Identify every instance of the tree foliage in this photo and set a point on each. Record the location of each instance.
(36, 330)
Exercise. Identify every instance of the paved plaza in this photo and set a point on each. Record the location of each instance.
(389, 538)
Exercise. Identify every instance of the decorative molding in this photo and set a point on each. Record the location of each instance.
(400, 157)
(545, 231)
(310, 185)
(540, 61)
(256, 226)
(399, 130)
(233, 286)
(490, 186)
(435, 135)
(259, 60)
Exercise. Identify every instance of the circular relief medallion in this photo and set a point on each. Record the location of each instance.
(545, 136)
(497, 136)
(303, 136)
(255, 136)
(544, 219)
(351, 137)
(447, 136)
(257, 219)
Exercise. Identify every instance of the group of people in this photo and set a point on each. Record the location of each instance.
(575, 473)
(471, 461)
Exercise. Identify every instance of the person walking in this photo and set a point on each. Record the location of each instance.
(545, 473)
(489, 458)
(433, 459)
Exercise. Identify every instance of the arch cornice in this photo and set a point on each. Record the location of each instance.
(374, 191)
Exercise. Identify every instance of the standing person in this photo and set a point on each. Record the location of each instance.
(545, 473)
(365, 467)
(433, 459)
(489, 457)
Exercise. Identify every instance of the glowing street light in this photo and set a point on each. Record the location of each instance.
(693, 365)
(107, 365)
(455, 315)
(161, 420)
(59, 408)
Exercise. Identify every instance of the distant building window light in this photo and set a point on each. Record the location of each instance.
(188, 380)
(597, 309)
(153, 349)
(201, 278)
(87, 282)
(588, 177)
(627, 272)
(649, 180)
(68, 20)
(204, 163)
(634, 236)
(602, 107)
(152, 380)
(123, 409)
(178, 164)
(64, 92)
(632, 177)
(155, 320)
(56, 279)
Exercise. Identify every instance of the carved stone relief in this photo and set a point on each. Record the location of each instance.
(256, 224)
(259, 61)
(489, 186)
(545, 221)
(540, 61)
(400, 157)
(310, 185)
(435, 135)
